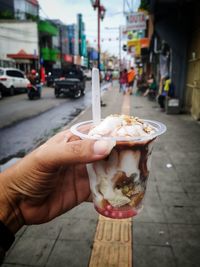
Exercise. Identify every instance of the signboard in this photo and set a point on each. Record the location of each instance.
(144, 42)
(68, 58)
(134, 47)
(136, 21)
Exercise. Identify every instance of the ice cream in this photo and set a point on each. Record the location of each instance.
(118, 182)
(122, 126)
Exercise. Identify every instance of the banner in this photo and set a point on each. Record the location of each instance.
(136, 21)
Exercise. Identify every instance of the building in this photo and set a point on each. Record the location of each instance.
(71, 33)
(19, 44)
(49, 45)
(32, 42)
(19, 9)
(66, 43)
(175, 48)
(192, 87)
(19, 34)
(80, 44)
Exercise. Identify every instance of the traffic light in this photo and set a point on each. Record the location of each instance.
(124, 47)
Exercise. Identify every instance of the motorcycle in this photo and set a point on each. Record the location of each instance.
(34, 91)
(49, 80)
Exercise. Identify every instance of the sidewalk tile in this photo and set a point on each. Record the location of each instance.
(169, 186)
(151, 214)
(77, 229)
(191, 187)
(152, 199)
(153, 256)
(70, 253)
(150, 233)
(174, 199)
(31, 251)
(187, 256)
(185, 234)
(185, 215)
(50, 230)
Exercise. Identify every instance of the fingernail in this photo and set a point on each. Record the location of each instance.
(103, 147)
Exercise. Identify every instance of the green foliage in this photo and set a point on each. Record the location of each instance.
(32, 17)
(6, 14)
(144, 5)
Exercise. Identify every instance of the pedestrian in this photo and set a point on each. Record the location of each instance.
(152, 87)
(142, 84)
(124, 81)
(46, 183)
(120, 82)
(131, 78)
(167, 91)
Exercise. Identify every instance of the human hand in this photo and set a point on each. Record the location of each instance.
(49, 181)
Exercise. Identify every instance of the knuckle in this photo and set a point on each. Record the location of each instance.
(76, 149)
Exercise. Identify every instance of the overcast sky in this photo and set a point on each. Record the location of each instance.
(66, 11)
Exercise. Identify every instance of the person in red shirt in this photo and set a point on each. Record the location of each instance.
(124, 81)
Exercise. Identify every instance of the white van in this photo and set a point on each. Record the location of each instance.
(13, 80)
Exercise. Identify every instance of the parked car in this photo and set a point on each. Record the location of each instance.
(71, 83)
(1, 90)
(13, 80)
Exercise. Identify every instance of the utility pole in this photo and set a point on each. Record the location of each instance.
(100, 16)
(120, 46)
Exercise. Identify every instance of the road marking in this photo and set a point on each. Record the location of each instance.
(112, 245)
(126, 105)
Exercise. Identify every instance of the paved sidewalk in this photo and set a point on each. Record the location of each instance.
(165, 234)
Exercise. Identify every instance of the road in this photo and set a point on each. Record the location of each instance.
(19, 107)
(24, 123)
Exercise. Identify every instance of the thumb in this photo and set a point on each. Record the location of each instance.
(79, 151)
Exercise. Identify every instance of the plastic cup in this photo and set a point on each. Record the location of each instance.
(118, 182)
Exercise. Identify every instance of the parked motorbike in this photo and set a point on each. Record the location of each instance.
(34, 91)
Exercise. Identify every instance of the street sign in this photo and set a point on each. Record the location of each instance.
(136, 21)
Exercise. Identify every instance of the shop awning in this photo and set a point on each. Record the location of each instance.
(46, 27)
(22, 55)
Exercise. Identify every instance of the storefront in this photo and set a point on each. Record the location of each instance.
(24, 61)
(192, 94)
(172, 27)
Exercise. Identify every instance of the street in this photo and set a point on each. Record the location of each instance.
(23, 123)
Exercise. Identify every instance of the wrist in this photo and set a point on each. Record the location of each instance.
(10, 214)
(9, 218)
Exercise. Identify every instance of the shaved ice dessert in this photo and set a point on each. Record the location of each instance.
(118, 182)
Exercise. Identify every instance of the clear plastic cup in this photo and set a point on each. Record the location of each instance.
(118, 182)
